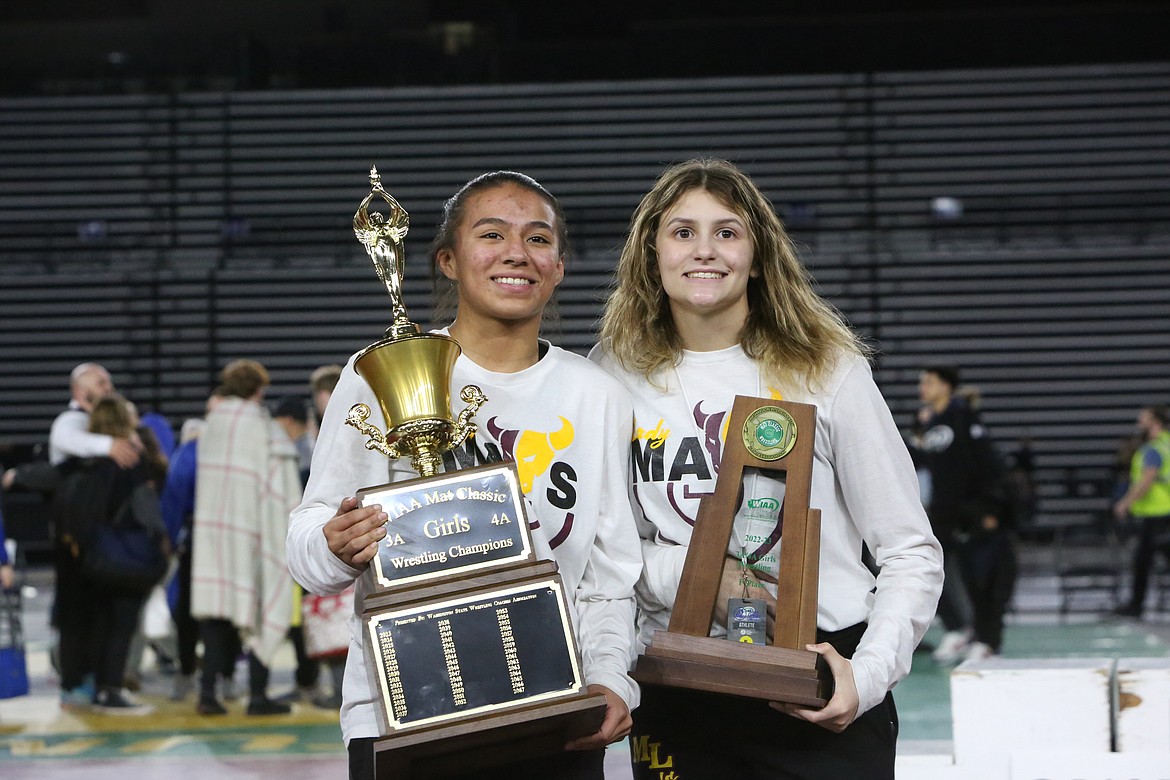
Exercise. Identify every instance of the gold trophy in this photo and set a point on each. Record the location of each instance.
(409, 371)
(468, 637)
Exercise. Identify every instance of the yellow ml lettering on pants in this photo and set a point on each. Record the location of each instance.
(646, 751)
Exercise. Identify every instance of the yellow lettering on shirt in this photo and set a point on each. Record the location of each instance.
(657, 435)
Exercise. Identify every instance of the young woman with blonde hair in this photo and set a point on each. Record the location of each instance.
(712, 301)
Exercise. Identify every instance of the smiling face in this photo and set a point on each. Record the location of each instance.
(505, 259)
(705, 256)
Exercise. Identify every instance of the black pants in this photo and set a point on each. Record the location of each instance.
(707, 736)
(73, 614)
(569, 765)
(115, 621)
(308, 669)
(1153, 532)
(988, 561)
(186, 627)
(221, 644)
(954, 605)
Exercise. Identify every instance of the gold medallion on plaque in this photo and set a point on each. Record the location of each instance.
(769, 433)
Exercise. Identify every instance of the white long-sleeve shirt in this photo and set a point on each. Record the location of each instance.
(862, 481)
(69, 437)
(575, 483)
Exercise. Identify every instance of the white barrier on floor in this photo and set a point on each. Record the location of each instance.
(1000, 706)
(1041, 765)
(1079, 765)
(1055, 719)
(1143, 705)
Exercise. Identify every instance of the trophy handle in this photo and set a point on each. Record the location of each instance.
(464, 427)
(357, 417)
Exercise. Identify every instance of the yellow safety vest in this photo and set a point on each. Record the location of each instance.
(1156, 501)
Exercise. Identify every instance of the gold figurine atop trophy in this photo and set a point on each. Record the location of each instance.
(382, 238)
(409, 371)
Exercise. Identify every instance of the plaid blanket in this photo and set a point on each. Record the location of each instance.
(246, 483)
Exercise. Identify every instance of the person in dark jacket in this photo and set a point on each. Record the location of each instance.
(969, 512)
(97, 618)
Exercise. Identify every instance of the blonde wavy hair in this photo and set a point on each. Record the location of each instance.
(111, 416)
(791, 331)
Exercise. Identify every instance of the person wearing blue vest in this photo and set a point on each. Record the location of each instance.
(1147, 501)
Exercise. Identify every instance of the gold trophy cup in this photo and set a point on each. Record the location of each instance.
(409, 371)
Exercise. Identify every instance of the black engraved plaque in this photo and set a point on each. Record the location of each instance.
(452, 523)
(479, 653)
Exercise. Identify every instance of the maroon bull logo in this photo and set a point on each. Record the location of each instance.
(712, 426)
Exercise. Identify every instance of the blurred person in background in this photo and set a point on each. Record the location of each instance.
(155, 459)
(97, 618)
(969, 512)
(328, 640)
(321, 382)
(291, 413)
(1147, 501)
(164, 434)
(70, 435)
(178, 511)
(240, 586)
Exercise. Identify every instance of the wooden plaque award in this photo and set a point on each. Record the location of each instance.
(772, 436)
(467, 637)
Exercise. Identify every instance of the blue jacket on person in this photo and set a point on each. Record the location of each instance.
(178, 505)
(3, 543)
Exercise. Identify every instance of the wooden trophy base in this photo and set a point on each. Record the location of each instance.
(492, 740)
(719, 665)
